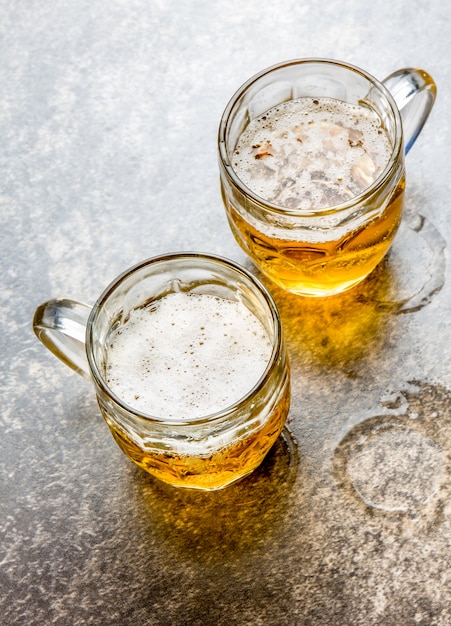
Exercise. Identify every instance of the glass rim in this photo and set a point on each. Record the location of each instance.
(273, 208)
(218, 416)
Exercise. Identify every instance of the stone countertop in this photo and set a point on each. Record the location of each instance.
(108, 122)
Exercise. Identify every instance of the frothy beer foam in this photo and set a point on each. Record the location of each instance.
(187, 355)
(312, 152)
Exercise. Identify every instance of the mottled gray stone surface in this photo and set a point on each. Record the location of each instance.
(108, 120)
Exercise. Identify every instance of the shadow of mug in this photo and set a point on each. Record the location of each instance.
(338, 330)
(223, 525)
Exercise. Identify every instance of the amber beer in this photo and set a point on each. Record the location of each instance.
(208, 470)
(182, 358)
(313, 185)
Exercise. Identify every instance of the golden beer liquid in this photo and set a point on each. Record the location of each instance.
(209, 471)
(316, 268)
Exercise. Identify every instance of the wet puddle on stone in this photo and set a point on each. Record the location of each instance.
(395, 469)
(399, 460)
(416, 264)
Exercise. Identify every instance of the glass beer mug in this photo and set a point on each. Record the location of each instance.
(312, 172)
(189, 364)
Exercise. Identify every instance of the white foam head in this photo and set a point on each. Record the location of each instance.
(187, 355)
(312, 152)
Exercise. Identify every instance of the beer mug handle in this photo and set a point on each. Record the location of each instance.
(414, 92)
(60, 324)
